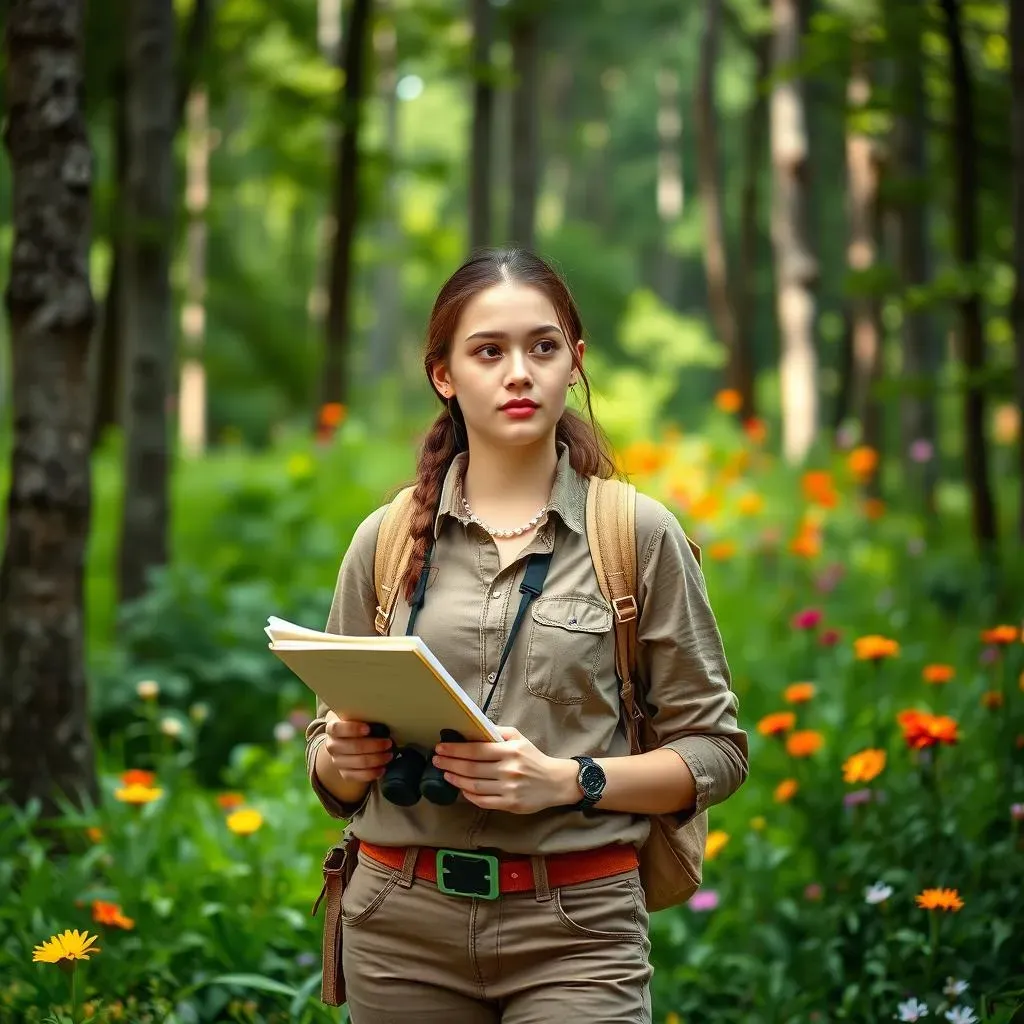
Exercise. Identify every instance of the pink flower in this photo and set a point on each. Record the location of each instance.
(857, 796)
(829, 637)
(921, 450)
(705, 899)
(1017, 812)
(807, 619)
(813, 891)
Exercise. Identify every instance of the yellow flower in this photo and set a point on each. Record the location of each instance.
(715, 843)
(65, 948)
(750, 504)
(244, 822)
(786, 790)
(939, 899)
(875, 648)
(863, 766)
(138, 794)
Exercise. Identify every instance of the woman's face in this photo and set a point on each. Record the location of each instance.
(510, 365)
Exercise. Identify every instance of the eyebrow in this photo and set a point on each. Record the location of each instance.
(533, 332)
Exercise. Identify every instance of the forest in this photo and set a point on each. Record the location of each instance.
(795, 232)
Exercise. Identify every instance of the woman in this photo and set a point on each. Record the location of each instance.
(502, 476)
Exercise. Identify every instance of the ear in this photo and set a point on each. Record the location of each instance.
(441, 380)
(581, 347)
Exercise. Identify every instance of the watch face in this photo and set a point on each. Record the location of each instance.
(592, 780)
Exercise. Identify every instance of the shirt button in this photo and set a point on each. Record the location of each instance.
(491, 676)
(497, 593)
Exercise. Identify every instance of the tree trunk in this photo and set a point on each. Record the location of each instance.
(922, 355)
(862, 179)
(750, 234)
(669, 194)
(525, 39)
(480, 185)
(972, 338)
(334, 383)
(46, 750)
(147, 328)
(796, 269)
(1017, 311)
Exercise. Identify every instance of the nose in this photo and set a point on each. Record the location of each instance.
(518, 373)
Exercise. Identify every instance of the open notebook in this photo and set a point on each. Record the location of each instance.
(396, 680)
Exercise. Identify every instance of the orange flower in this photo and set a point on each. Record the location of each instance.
(799, 693)
(819, 489)
(776, 723)
(137, 794)
(939, 899)
(111, 914)
(94, 833)
(864, 766)
(807, 543)
(875, 648)
(874, 508)
(922, 729)
(707, 506)
(643, 458)
(230, 801)
(750, 504)
(729, 400)
(862, 462)
(804, 743)
(756, 429)
(937, 673)
(1000, 635)
(786, 790)
(715, 843)
(992, 699)
(332, 414)
(137, 777)
(722, 550)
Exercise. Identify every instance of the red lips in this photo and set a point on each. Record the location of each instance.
(520, 403)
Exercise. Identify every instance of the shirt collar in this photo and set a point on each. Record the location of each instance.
(568, 493)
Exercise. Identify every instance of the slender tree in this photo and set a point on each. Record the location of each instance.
(45, 745)
(1017, 312)
(480, 184)
(524, 32)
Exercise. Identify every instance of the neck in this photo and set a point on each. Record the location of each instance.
(507, 485)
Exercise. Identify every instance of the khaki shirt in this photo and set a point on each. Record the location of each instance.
(558, 686)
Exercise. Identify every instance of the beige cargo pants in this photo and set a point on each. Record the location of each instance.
(415, 955)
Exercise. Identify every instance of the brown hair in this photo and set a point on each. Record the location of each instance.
(589, 452)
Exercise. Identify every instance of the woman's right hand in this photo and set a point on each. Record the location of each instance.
(356, 756)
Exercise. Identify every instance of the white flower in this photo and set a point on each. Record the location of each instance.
(148, 689)
(877, 893)
(912, 1009)
(961, 1015)
(170, 726)
(953, 988)
(284, 731)
(199, 713)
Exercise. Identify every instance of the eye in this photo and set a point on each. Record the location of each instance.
(551, 346)
(488, 351)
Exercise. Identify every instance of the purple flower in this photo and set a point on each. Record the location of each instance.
(921, 450)
(1017, 812)
(857, 796)
(705, 899)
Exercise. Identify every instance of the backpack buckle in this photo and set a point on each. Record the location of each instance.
(625, 608)
(380, 622)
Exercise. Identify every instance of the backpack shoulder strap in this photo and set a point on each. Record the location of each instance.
(391, 556)
(611, 534)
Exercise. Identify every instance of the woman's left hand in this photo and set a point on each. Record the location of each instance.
(510, 776)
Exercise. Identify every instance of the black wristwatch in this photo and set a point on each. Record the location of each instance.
(591, 779)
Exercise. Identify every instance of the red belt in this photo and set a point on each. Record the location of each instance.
(516, 871)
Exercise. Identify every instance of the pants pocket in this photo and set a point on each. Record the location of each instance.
(610, 909)
(366, 892)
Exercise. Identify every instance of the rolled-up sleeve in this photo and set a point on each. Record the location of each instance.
(352, 612)
(684, 675)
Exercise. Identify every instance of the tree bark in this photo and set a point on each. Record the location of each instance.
(480, 185)
(525, 39)
(146, 307)
(971, 335)
(46, 749)
(334, 382)
(796, 269)
(862, 181)
(1017, 309)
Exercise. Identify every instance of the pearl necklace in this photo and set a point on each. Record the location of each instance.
(515, 532)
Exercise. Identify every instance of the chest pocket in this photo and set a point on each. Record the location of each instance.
(569, 635)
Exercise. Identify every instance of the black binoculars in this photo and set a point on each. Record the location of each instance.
(411, 774)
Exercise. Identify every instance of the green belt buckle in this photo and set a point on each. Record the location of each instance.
(468, 874)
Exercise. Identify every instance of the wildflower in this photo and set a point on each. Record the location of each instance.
(199, 712)
(750, 504)
(138, 777)
(922, 729)
(961, 1015)
(937, 673)
(729, 400)
(230, 801)
(813, 891)
(829, 637)
(1002, 635)
(807, 619)
(939, 899)
(910, 1010)
(758, 823)
(148, 689)
(1006, 423)
(244, 822)
(722, 550)
(332, 414)
(864, 766)
(111, 914)
(830, 578)
(856, 797)
(644, 458)
(875, 648)
(874, 508)
(786, 790)
(776, 723)
(138, 795)
(862, 462)
(170, 727)
(806, 544)
(715, 843)
(284, 731)
(755, 429)
(992, 699)
(877, 893)
(921, 450)
(804, 743)
(798, 693)
(706, 507)
(705, 899)
(65, 948)
(818, 488)
(300, 718)
(1017, 812)
(954, 988)
(95, 833)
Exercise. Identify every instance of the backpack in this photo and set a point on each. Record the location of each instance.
(671, 859)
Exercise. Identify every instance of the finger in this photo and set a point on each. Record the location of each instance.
(342, 728)
(473, 751)
(345, 760)
(470, 769)
(354, 748)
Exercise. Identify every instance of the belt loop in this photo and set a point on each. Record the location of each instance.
(540, 877)
(408, 872)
